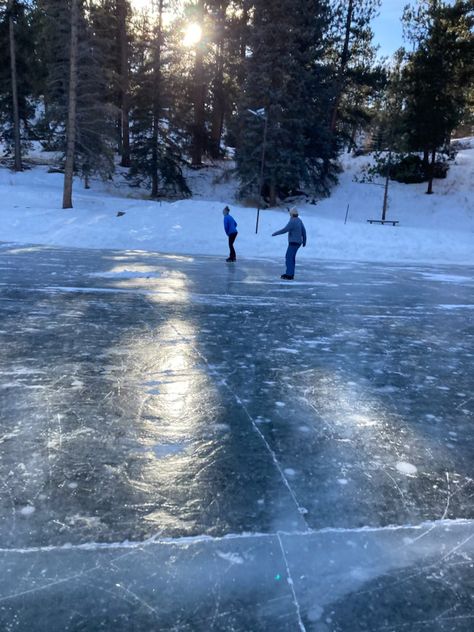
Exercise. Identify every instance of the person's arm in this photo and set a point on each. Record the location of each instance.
(304, 234)
(282, 231)
(226, 224)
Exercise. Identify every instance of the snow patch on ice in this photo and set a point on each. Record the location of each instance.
(233, 558)
(406, 468)
(27, 510)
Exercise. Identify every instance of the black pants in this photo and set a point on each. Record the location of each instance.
(231, 246)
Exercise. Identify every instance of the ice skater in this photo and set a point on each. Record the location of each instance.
(230, 227)
(296, 237)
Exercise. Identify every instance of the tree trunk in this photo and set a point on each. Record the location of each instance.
(342, 66)
(71, 117)
(124, 83)
(156, 103)
(218, 105)
(387, 180)
(16, 113)
(272, 197)
(199, 131)
(199, 110)
(426, 159)
(429, 190)
(244, 21)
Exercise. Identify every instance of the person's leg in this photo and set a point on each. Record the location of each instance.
(232, 254)
(291, 259)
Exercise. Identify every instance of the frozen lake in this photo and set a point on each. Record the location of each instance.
(192, 445)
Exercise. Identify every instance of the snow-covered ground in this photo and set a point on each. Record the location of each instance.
(437, 228)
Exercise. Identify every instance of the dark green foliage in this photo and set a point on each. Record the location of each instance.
(26, 67)
(156, 147)
(356, 76)
(438, 74)
(286, 77)
(406, 168)
(95, 120)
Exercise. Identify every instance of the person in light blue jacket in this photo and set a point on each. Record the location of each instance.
(230, 227)
(296, 237)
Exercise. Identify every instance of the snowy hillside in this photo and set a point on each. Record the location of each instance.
(436, 228)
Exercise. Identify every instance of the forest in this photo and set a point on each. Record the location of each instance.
(279, 87)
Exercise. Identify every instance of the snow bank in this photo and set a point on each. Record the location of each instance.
(437, 228)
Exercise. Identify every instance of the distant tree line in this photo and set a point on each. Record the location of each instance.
(288, 84)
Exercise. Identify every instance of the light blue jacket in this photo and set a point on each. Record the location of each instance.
(296, 231)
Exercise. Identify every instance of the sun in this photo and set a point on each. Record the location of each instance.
(192, 34)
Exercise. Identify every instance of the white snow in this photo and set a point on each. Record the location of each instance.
(406, 468)
(233, 558)
(27, 510)
(434, 229)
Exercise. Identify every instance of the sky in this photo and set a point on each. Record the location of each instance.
(388, 28)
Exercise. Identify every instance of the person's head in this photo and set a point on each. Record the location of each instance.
(293, 212)
(226, 210)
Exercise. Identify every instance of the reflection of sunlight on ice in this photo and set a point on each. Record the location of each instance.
(177, 361)
(22, 251)
(160, 284)
(175, 290)
(172, 402)
(354, 414)
(364, 420)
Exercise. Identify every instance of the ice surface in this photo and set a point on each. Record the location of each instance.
(202, 447)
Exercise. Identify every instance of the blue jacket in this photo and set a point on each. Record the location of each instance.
(230, 225)
(296, 231)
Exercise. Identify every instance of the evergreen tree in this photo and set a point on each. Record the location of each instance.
(438, 74)
(78, 117)
(96, 112)
(285, 77)
(123, 54)
(16, 88)
(72, 105)
(155, 148)
(355, 73)
(229, 21)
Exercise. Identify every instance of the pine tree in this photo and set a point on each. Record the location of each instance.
(72, 105)
(156, 146)
(438, 74)
(229, 20)
(351, 56)
(285, 78)
(78, 112)
(96, 113)
(123, 50)
(16, 88)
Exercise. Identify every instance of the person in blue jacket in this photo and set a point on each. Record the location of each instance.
(230, 227)
(296, 237)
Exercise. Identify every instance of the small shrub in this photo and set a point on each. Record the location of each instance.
(406, 168)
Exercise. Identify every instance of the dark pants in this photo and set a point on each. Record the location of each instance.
(291, 258)
(231, 246)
